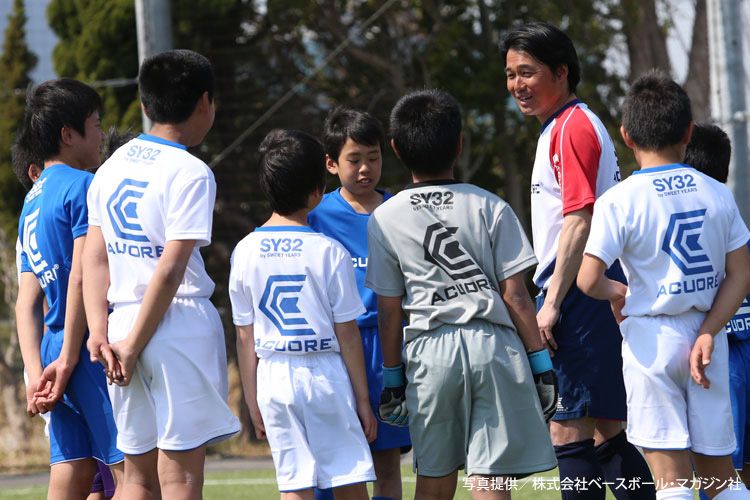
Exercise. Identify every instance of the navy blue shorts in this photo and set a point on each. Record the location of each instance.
(588, 359)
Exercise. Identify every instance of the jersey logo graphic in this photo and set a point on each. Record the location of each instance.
(30, 245)
(280, 304)
(442, 249)
(682, 245)
(123, 210)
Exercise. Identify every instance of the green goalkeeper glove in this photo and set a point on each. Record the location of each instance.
(392, 408)
(545, 381)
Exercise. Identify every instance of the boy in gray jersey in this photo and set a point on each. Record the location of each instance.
(453, 256)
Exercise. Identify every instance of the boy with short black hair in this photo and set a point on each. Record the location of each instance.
(681, 239)
(59, 139)
(453, 256)
(353, 141)
(150, 210)
(295, 305)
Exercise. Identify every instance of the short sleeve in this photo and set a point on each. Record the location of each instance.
(76, 206)
(606, 239)
(511, 248)
(578, 152)
(240, 294)
(190, 211)
(384, 275)
(343, 295)
(92, 203)
(738, 233)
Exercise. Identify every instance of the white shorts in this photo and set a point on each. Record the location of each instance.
(308, 410)
(666, 408)
(177, 398)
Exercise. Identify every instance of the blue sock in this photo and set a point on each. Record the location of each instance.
(580, 469)
(326, 494)
(381, 498)
(622, 462)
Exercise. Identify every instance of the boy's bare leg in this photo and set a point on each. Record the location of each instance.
(141, 480)
(606, 429)
(118, 474)
(181, 473)
(357, 491)
(718, 472)
(298, 495)
(388, 471)
(484, 491)
(71, 480)
(669, 466)
(436, 488)
(745, 474)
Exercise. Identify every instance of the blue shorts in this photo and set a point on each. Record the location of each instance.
(81, 425)
(588, 359)
(739, 390)
(389, 436)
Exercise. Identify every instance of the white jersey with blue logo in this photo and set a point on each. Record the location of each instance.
(671, 227)
(53, 216)
(148, 192)
(292, 284)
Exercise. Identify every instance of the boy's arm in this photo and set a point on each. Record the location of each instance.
(732, 291)
(248, 362)
(522, 311)
(55, 376)
(30, 328)
(350, 343)
(593, 282)
(390, 327)
(161, 290)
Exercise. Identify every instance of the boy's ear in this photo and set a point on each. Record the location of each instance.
(561, 72)
(34, 172)
(395, 149)
(332, 166)
(688, 134)
(626, 137)
(66, 135)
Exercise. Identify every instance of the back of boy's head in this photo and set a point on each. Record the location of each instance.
(51, 106)
(656, 112)
(426, 129)
(344, 123)
(547, 44)
(21, 158)
(113, 139)
(709, 151)
(171, 84)
(292, 167)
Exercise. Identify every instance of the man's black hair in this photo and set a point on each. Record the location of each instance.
(656, 112)
(547, 44)
(51, 106)
(426, 128)
(292, 166)
(21, 159)
(171, 84)
(344, 123)
(709, 151)
(113, 139)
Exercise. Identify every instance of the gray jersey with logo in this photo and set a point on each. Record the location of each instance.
(444, 246)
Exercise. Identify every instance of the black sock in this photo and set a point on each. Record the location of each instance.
(580, 470)
(625, 469)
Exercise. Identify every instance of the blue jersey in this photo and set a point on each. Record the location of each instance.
(738, 327)
(54, 214)
(336, 218)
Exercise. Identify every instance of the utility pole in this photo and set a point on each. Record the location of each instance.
(728, 88)
(153, 19)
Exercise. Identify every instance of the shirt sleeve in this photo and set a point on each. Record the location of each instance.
(575, 153)
(240, 294)
(607, 235)
(511, 248)
(76, 205)
(384, 275)
(190, 211)
(343, 294)
(738, 233)
(92, 203)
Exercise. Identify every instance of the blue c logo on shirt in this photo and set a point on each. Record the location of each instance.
(30, 245)
(682, 245)
(123, 210)
(280, 304)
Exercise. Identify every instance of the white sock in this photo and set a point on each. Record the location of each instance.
(734, 492)
(676, 493)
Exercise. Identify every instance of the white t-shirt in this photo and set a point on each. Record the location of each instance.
(148, 192)
(671, 227)
(292, 284)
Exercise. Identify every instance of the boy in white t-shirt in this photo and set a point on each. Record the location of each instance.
(295, 304)
(150, 209)
(681, 240)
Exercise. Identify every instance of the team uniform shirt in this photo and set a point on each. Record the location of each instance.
(448, 256)
(738, 328)
(335, 217)
(575, 163)
(672, 227)
(292, 284)
(148, 192)
(47, 234)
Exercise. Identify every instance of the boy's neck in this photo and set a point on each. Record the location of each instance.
(66, 160)
(443, 176)
(177, 133)
(298, 218)
(649, 159)
(364, 203)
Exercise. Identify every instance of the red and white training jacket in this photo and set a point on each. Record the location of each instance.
(575, 164)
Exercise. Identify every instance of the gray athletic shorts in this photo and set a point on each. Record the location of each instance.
(472, 403)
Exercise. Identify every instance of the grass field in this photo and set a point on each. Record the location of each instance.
(261, 485)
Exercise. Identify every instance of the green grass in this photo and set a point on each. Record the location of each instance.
(261, 485)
